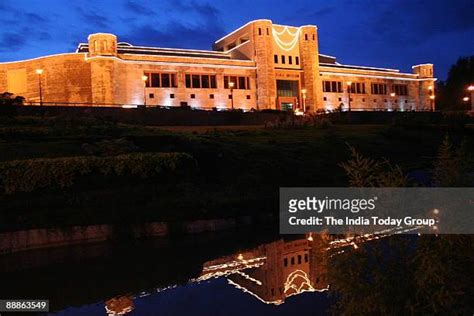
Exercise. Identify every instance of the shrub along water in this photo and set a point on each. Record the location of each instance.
(32, 174)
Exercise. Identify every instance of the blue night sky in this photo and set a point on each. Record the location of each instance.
(382, 33)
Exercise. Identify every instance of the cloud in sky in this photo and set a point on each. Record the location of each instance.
(389, 33)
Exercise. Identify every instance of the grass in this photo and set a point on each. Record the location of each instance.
(239, 170)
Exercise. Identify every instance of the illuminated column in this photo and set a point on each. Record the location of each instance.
(102, 57)
(426, 87)
(266, 81)
(309, 54)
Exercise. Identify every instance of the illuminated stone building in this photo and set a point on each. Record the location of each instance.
(260, 65)
(274, 271)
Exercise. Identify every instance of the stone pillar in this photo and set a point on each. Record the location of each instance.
(309, 55)
(102, 50)
(426, 88)
(266, 82)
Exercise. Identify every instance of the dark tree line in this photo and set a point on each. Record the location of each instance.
(450, 93)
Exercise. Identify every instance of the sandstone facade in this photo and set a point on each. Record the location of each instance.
(271, 66)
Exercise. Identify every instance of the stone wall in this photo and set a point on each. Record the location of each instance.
(65, 78)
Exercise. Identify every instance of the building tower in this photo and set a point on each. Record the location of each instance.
(309, 53)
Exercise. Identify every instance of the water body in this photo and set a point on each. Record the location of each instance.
(234, 273)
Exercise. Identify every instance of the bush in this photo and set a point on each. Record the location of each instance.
(32, 174)
(293, 121)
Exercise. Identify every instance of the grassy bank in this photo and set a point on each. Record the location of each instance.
(234, 172)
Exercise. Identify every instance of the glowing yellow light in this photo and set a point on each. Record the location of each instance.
(392, 94)
(432, 97)
(436, 211)
(465, 99)
(39, 71)
(470, 88)
(435, 227)
(310, 238)
(303, 91)
(231, 85)
(240, 256)
(430, 88)
(349, 83)
(355, 246)
(144, 78)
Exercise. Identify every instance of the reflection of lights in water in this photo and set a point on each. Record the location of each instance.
(355, 245)
(243, 289)
(293, 278)
(119, 305)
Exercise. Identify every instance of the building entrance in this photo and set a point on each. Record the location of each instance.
(287, 93)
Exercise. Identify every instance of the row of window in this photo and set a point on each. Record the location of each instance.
(359, 88)
(195, 81)
(292, 260)
(193, 96)
(363, 100)
(160, 80)
(242, 83)
(282, 59)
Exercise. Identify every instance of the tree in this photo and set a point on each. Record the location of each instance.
(451, 92)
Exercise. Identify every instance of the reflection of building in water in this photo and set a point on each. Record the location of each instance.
(274, 271)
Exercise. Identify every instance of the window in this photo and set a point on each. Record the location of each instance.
(248, 96)
(193, 96)
(325, 99)
(306, 37)
(259, 31)
(165, 80)
(275, 59)
(305, 257)
(195, 79)
(268, 32)
(200, 81)
(314, 38)
(297, 60)
(358, 88)
(285, 262)
(290, 60)
(151, 95)
(379, 88)
(332, 86)
(299, 259)
(292, 260)
(155, 80)
(161, 80)
(172, 96)
(283, 61)
(211, 96)
(242, 83)
(400, 89)
(205, 81)
(213, 82)
(230, 96)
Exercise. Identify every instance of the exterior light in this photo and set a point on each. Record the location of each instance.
(430, 88)
(310, 238)
(432, 97)
(240, 256)
(470, 88)
(303, 91)
(145, 80)
(349, 83)
(231, 86)
(40, 72)
(436, 211)
(392, 94)
(465, 99)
